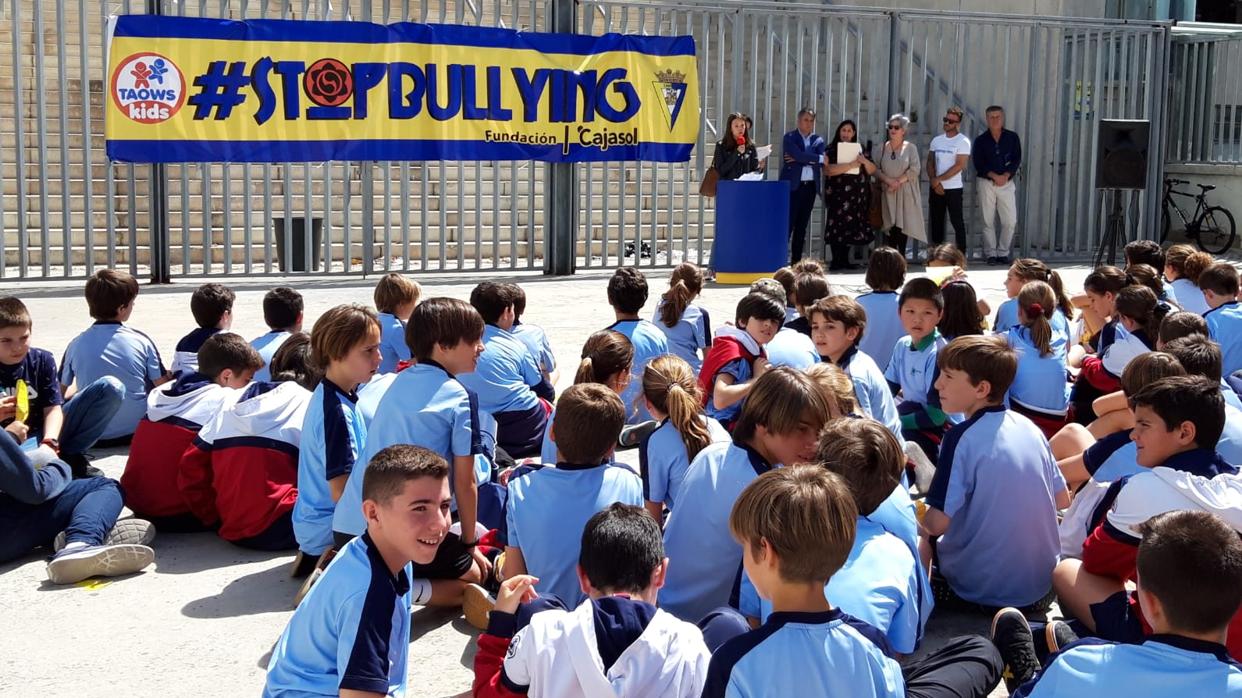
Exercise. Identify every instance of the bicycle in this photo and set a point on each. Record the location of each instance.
(1211, 227)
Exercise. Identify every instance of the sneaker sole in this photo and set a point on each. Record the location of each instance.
(125, 532)
(306, 586)
(1050, 638)
(476, 606)
(111, 561)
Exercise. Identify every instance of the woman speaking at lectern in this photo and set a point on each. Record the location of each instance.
(735, 156)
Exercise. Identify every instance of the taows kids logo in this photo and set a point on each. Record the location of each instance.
(148, 88)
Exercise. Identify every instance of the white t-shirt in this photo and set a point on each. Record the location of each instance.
(946, 150)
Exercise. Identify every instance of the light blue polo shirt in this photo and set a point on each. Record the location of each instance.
(836, 654)
(913, 367)
(370, 394)
(549, 508)
(267, 345)
(883, 325)
(1225, 326)
(109, 348)
(393, 348)
(878, 585)
(663, 461)
(691, 335)
(1189, 296)
(998, 482)
(1040, 383)
(1007, 318)
(352, 631)
(536, 341)
(741, 372)
(696, 534)
(424, 406)
(649, 342)
(871, 390)
(505, 374)
(1166, 665)
(333, 437)
(791, 348)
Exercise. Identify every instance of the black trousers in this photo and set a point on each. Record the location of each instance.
(937, 205)
(896, 239)
(801, 205)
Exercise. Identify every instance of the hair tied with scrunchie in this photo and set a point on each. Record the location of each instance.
(1036, 309)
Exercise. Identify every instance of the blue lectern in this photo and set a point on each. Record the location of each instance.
(752, 230)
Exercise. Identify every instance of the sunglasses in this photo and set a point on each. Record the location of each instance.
(951, 121)
(894, 127)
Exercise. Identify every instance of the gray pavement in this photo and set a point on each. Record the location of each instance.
(203, 619)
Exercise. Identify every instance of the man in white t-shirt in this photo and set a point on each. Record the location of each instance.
(950, 152)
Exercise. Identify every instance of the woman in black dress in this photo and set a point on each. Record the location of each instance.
(847, 198)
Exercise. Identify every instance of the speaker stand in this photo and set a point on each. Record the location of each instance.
(1114, 232)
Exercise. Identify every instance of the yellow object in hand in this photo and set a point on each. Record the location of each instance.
(22, 396)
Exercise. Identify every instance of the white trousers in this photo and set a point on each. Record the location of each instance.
(999, 202)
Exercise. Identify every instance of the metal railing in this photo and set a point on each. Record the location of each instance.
(1205, 94)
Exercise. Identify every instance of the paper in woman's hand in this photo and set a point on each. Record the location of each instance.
(848, 152)
(763, 152)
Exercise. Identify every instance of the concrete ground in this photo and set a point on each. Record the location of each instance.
(203, 619)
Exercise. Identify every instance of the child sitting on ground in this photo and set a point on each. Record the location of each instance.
(32, 410)
(1183, 265)
(212, 308)
(175, 414)
(778, 426)
(633, 648)
(351, 634)
(1022, 272)
(961, 311)
(607, 358)
(788, 347)
(838, 324)
(1040, 390)
(995, 476)
(627, 293)
(282, 311)
(913, 369)
(1136, 315)
(737, 358)
(535, 339)
(785, 277)
(1219, 283)
(240, 475)
(428, 406)
(886, 273)
(507, 380)
(945, 257)
(687, 326)
(111, 348)
(807, 289)
(395, 297)
(547, 508)
(672, 396)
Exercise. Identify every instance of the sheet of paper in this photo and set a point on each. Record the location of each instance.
(751, 177)
(846, 152)
(764, 151)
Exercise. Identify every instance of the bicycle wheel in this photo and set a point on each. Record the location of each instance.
(1166, 222)
(1216, 230)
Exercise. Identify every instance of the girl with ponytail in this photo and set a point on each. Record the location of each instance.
(1039, 388)
(687, 326)
(1182, 267)
(673, 397)
(1137, 315)
(607, 358)
(1021, 273)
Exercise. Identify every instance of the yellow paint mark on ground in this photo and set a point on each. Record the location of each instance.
(93, 584)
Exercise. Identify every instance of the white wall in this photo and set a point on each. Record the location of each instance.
(1228, 193)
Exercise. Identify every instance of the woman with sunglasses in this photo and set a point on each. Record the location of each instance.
(899, 171)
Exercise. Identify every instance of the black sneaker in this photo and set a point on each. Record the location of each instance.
(1012, 636)
(1058, 634)
(633, 435)
(990, 261)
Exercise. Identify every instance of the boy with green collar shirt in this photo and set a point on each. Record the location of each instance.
(912, 370)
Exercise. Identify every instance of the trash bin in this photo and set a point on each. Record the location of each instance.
(299, 242)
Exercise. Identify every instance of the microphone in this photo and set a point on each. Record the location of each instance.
(741, 140)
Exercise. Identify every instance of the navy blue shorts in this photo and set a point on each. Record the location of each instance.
(520, 433)
(1117, 620)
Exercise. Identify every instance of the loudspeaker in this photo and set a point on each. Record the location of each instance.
(1121, 154)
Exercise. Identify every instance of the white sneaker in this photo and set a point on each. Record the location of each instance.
(124, 532)
(74, 565)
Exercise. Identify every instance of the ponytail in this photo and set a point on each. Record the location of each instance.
(1037, 301)
(684, 284)
(1030, 269)
(605, 354)
(669, 383)
(1063, 299)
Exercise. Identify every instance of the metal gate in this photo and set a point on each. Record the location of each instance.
(65, 210)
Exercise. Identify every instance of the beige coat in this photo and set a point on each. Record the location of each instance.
(903, 208)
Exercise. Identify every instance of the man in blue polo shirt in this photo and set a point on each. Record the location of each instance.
(507, 375)
(997, 155)
(352, 631)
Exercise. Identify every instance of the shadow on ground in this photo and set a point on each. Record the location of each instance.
(262, 592)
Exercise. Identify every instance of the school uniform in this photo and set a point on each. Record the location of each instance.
(241, 470)
(547, 511)
(85, 417)
(663, 461)
(393, 348)
(504, 382)
(614, 645)
(185, 356)
(371, 393)
(831, 651)
(878, 585)
(733, 353)
(791, 348)
(536, 341)
(110, 348)
(1101, 373)
(333, 437)
(799, 324)
(998, 482)
(351, 632)
(425, 406)
(791, 314)
(696, 534)
(913, 371)
(649, 342)
(1185, 293)
(874, 396)
(1040, 389)
(1007, 318)
(175, 414)
(1162, 665)
(1225, 326)
(883, 325)
(267, 345)
(691, 334)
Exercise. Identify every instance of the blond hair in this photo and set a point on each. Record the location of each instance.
(837, 386)
(339, 330)
(394, 290)
(671, 386)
